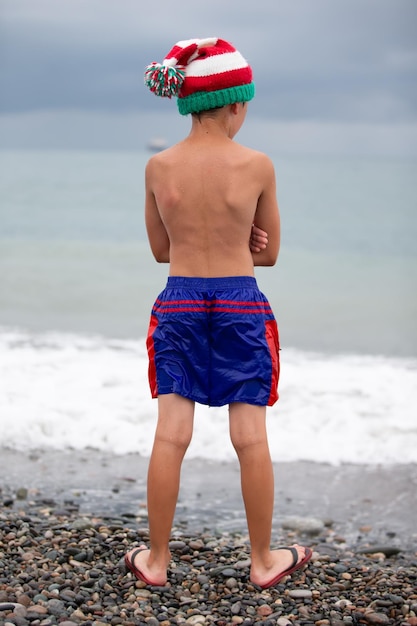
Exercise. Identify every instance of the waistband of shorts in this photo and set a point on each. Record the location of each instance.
(220, 282)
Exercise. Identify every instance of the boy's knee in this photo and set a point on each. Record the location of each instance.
(244, 440)
(247, 426)
(179, 439)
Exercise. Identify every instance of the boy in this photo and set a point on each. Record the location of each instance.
(212, 338)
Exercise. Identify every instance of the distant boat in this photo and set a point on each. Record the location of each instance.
(157, 144)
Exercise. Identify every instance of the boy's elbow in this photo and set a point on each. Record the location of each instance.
(265, 260)
(161, 258)
(270, 262)
(160, 254)
(271, 256)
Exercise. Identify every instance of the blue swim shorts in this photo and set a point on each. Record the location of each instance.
(214, 341)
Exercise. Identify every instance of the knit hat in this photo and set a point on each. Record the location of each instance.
(203, 74)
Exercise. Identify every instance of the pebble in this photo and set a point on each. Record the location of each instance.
(264, 610)
(385, 550)
(60, 568)
(304, 525)
(22, 493)
(196, 619)
(377, 618)
(300, 593)
(235, 608)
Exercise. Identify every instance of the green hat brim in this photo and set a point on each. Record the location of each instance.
(205, 100)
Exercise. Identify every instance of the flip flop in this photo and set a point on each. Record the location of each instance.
(295, 566)
(135, 571)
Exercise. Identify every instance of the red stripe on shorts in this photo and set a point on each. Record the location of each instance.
(238, 306)
(153, 383)
(271, 336)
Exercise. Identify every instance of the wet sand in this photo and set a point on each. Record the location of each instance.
(362, 504)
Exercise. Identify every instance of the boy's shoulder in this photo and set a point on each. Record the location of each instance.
(257, 154)
(181, 150)
(257, 158)
(166, 154)
(158, 159)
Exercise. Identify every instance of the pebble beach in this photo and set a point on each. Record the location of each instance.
(67, 520)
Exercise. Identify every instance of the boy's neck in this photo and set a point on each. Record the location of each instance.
(208, 129)
(218, 124)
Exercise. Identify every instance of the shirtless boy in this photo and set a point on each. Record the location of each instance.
(212, 338)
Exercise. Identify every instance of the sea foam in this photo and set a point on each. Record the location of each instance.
(64, 391)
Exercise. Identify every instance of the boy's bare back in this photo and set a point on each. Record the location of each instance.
(202, 197)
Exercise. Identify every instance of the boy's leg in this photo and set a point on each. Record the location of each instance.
(172, 437)
(249, 437)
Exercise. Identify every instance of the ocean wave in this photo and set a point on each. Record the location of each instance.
(63, 391)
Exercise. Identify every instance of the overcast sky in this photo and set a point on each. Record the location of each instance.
(332, 76)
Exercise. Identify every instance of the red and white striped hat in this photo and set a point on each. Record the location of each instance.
(203, 74)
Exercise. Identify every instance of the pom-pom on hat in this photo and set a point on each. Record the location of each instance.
(203, 74)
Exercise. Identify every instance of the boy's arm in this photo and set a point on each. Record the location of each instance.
(157, 234)
(267, 217)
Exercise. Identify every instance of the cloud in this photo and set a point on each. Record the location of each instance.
(352, 62)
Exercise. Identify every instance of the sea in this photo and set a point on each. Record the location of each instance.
(77, 283)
